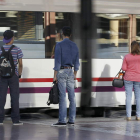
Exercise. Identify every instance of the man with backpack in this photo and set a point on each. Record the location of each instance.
(66, 57)
(10, 56)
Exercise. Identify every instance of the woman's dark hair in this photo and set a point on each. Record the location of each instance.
(66, 31)
(135, 48)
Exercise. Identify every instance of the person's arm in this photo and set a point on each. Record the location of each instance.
(20, 67)
(76, 66)
(124, 65)
(75, 74)
(19, 59)
(57, 57)
(55, 78)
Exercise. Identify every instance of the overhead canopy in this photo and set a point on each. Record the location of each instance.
(100, 6)
(117, 6)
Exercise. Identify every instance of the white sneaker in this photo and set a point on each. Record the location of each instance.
(1, 123)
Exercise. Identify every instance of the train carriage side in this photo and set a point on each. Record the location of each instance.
(117, 25)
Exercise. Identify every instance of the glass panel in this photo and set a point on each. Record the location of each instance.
(36, 33)
(28, 30)
(62, 19)
(137, 28)
(112, 35)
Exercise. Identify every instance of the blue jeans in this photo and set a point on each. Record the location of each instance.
(65, 79)
(128, 88)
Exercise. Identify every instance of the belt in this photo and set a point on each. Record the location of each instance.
(65, 67)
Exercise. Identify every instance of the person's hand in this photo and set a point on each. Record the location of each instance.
(52, 56)
(19, 77)
(55, 79)
(74, 77)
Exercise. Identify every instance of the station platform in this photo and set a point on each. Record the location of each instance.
(84, 129)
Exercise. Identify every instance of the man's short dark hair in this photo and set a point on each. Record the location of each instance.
(66, 31)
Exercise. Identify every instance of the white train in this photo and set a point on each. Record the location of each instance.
(117, 25)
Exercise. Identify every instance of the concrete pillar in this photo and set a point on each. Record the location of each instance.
(134, 26)
(114, 28)
(132, 29)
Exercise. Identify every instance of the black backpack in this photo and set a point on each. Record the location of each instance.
(53, 95)
(7, 67)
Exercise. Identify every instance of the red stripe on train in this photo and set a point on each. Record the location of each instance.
(51, 79)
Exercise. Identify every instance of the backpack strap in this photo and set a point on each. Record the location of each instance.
(2, 49)
(11, 48)
(119, 72)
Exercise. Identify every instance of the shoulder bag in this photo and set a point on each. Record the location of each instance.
(118, 81)
(53, 95)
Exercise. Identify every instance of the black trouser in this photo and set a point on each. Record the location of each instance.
(13, 84)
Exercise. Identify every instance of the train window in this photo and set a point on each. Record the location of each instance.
(113, 34)
(36, 33)
(28, 30)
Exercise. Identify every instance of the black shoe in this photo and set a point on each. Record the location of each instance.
(70, 123)
(59, 124)
(17, 123)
